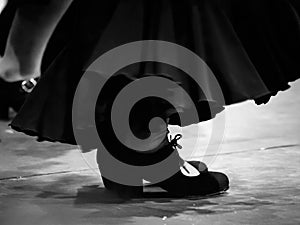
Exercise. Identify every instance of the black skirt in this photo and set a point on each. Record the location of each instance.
(251, 47)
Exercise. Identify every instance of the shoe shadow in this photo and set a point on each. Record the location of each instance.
(95, 194)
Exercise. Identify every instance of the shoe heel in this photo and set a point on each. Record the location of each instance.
(123, 191)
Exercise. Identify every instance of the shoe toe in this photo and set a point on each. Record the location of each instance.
(222, 180)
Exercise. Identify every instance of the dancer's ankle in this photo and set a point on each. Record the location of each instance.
(10, 71)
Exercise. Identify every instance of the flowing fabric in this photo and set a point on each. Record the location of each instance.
(251, 46)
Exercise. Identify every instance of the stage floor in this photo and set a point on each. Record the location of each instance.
(46, 183)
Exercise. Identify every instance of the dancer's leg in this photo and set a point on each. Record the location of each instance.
(32, 28)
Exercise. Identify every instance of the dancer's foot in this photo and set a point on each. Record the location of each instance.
(183, 183)
(13, 88)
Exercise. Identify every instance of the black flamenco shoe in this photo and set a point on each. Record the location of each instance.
(205, 183)
(13, 95)
(180, 184)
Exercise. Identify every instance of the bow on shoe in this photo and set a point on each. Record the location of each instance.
(198, 165)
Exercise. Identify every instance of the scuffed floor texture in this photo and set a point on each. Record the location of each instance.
(54, 184)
